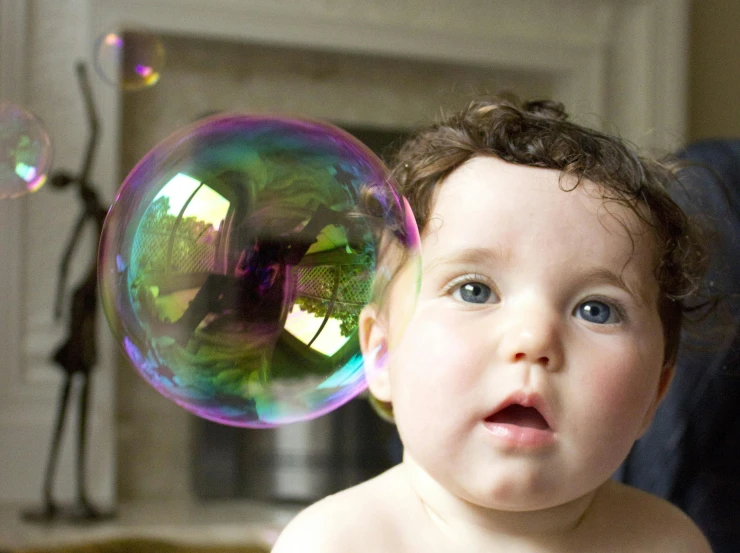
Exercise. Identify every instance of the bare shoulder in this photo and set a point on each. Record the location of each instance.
(361, 518)
(647, 523)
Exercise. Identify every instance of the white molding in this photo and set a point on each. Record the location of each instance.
(28, 396)
(243, 20)
(22, 412)
(671, 46)
(648, 73)
(625, 66)
(13, 50)
(13, 66)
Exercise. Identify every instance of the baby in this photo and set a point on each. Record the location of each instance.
(555, 268)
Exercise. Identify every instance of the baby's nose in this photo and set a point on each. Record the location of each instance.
(533, 336)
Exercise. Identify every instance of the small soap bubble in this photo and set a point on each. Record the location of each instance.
(25, 151)
(235, 261)
(130, 60)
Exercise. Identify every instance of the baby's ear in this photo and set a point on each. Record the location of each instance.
(374, 346)
(666, 376)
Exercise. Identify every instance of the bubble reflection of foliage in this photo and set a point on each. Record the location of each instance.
(354, 292)
(347, 315)
(155, 232)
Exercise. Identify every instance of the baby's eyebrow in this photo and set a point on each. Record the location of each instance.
(603, 275)
(595, 275)
(469, 256)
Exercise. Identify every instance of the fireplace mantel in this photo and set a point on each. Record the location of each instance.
(623, 62)
(617, 64)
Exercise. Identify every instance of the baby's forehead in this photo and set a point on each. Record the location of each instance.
(487, 182)
(540, 213)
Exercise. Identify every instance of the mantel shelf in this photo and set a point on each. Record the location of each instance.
(208, 523)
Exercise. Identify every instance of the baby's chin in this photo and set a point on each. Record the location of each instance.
(512, 488)
(534, 514)
(518, 497)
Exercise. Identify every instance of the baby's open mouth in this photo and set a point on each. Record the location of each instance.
(519, 415)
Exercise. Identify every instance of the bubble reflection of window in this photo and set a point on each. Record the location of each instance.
(189, 197)
(199, 212)
(304, 326)
(322, 333)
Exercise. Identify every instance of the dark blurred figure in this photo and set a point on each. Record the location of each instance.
(691, 453)
(77, 356)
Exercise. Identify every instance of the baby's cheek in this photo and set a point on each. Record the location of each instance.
(442, 351)
(614, 400)
(431, 369)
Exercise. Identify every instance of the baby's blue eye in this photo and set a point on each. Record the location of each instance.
(597, 312)
(474, 292)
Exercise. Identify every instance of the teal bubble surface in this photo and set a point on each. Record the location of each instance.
(235, 261)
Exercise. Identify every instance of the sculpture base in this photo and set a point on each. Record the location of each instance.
(77, 513)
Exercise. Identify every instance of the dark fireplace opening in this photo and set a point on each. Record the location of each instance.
(305, 461)
(340, 449)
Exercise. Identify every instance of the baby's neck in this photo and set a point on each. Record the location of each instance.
(466, 522)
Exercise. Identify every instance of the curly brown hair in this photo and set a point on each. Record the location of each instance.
(539, 134)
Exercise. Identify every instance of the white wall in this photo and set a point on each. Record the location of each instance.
(39, 43)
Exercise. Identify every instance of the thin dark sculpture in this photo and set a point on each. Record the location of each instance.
(77, 356)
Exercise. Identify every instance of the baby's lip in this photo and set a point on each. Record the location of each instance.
(525, 409)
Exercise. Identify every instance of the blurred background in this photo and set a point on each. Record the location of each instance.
(661, 73)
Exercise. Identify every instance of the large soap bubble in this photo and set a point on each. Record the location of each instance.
(25, 151)
(236, 258)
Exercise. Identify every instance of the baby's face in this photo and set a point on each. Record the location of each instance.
(534, 358)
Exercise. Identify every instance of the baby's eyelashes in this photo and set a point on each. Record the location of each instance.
(472, 289)
(473, 292)
(477, 289)
(600, 311)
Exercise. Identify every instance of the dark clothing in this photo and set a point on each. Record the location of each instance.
(691, 453)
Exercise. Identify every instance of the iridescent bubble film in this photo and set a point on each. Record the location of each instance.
(130, 60)
(25, 151)
(235, 261)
